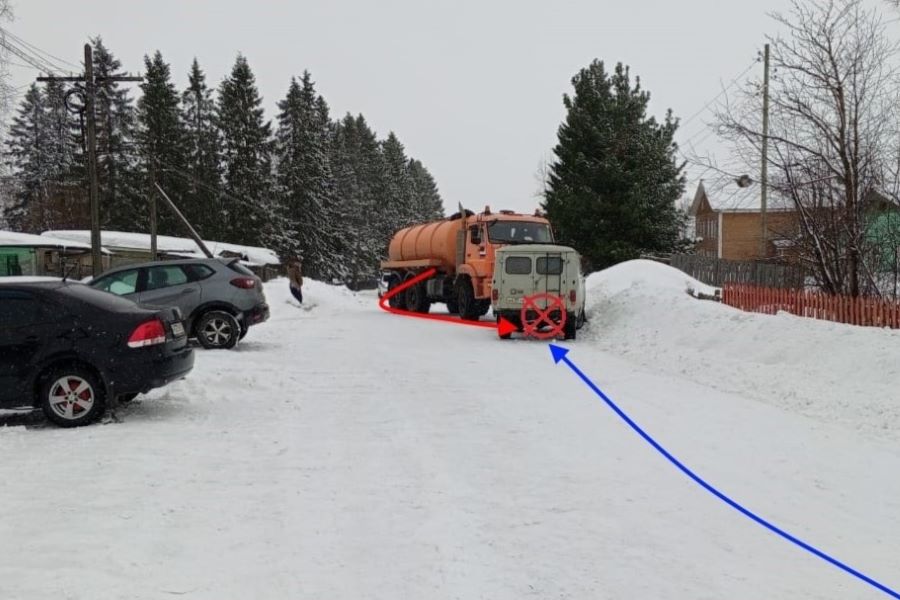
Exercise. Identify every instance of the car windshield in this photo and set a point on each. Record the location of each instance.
(519, 232)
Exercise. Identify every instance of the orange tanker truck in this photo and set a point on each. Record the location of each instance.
(461, 248)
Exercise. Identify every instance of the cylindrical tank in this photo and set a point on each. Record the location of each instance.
(435, 240)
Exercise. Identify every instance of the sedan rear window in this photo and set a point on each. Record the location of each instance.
(96, 297)
(550, 265)
(518, 265)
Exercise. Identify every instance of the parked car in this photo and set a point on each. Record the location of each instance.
(67, 348)
(220, 299)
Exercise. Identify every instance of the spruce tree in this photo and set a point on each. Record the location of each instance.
(615, 181)
(161, 142)
(400, 202)
(247, 210)
(305, 180)
(122, 205)
(26, 153)
(427, 203)
(376, 191)
(203, 170)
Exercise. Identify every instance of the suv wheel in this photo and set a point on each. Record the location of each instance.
(72, 396)
(218, 330)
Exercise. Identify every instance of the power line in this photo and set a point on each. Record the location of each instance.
(41, 56)
(719, 95)
(38, 50)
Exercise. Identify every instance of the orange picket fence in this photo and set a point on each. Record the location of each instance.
(867, 312)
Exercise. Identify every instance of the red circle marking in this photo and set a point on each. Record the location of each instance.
(533, 327)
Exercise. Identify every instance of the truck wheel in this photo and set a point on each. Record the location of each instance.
(417, 298)
(397, 301)
(452, 306)
(483, 307)
(465, 298)
(571, 327)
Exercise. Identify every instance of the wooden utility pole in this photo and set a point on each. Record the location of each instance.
(181, 217)
(90, 100)
(764, 171)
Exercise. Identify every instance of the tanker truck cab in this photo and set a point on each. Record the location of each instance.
(523, 270)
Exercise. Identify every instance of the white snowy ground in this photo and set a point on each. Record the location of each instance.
(344, 453)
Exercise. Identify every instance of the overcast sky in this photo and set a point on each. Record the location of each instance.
(473, 89)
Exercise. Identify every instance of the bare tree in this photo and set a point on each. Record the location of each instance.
(833, 140)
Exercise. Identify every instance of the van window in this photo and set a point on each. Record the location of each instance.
(518, 265)
(550, 265)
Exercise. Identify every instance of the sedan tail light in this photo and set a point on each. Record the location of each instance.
(245, 283)
(149, 333)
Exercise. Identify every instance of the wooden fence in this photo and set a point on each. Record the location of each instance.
(868, 312)
(718, 272)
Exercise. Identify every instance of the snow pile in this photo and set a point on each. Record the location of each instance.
(832, 372)
(317, 294)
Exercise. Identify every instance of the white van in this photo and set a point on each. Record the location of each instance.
(524, 270)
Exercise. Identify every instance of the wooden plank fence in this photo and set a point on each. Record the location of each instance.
(867, 312)
(717, 272)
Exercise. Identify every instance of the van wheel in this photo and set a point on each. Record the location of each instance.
(501, 335)
(582, 319)
(570, 328)
(218, 330)
(72, 396)
(465, 298)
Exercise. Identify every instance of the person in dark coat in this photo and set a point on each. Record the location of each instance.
(296, 279)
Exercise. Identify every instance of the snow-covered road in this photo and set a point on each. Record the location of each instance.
(344, 453)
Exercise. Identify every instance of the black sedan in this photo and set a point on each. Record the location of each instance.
(67, 348)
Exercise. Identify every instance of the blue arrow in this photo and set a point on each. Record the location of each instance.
(560, 354)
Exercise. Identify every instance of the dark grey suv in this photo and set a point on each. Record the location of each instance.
(220, 299)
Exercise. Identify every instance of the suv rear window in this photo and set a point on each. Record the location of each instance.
(198, 272)
(237, 267)
(550, 265)
(518, 265)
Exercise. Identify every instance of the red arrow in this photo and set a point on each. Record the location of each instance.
(503, 328)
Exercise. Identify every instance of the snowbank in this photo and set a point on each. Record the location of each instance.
(834, 373)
